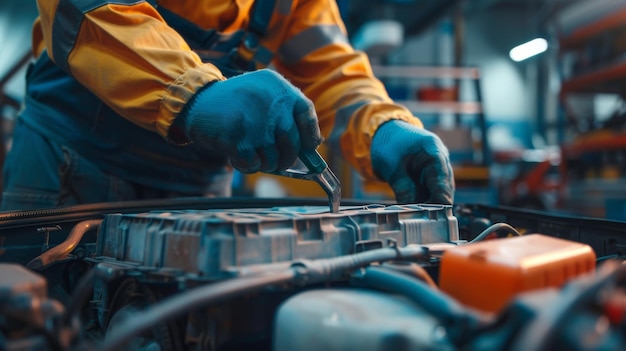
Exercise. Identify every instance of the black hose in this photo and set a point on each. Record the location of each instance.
(181, 304)
(434, 302)
(458, 321)
(79, 298)
(322, 270)
(492, 229)
(543, 332)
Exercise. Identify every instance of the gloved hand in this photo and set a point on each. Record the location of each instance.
(414, 162)
(258, 119)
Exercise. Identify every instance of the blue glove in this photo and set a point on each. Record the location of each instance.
(258, 119)
(414, 162)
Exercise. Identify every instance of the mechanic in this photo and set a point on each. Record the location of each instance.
(132, 99)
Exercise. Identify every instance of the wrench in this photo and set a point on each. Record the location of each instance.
(319, 172)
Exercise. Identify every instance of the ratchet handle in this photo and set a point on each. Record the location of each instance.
(313, 161)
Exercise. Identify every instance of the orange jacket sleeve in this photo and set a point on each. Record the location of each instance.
(351, 103)
(126, 55)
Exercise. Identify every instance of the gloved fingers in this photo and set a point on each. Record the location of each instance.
(442, 194)
(403, 154)
(404, 188)
(288, 144)
(269, 156)
(405, 191)
(246, 161)
(265, 132)
(435, 174)
(306, 121)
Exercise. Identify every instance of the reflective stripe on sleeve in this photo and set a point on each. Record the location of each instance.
(309, 40)
(342, 119)
(67, 22)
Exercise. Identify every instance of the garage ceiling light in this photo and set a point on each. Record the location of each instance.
(529, 49)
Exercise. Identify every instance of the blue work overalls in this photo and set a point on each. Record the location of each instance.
(70, 148)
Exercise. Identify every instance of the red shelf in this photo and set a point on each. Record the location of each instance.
(469, 107)
(599, 143)
(596, 81)
(580, 35)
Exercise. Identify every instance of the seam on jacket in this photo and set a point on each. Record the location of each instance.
(342, 119)
(310, 40)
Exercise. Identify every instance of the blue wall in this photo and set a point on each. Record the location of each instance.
(16, 21)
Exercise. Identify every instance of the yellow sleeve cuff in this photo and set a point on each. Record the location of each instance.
(180, 91)
(357, 140)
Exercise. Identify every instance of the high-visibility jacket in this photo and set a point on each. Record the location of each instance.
(128, 56)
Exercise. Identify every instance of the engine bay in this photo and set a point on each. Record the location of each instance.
(259, 274)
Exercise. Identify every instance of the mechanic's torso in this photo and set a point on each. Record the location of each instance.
(64, 110)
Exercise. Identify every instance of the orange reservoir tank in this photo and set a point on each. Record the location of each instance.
(487, 274)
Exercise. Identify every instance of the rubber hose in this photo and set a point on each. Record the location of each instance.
(194, 299)
(459, 322)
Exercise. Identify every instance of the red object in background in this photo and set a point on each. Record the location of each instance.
(535, 181)
(538, 182)
(431, 93)
(615, 311)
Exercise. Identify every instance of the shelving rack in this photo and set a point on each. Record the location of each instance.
(608, 76)
(590, 30)
(593, 166)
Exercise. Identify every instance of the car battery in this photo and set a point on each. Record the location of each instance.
(214, 243)
(487, 274)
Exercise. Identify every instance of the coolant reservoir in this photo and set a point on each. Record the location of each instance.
(487, 274)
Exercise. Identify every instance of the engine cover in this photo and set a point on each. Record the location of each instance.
(212, 243)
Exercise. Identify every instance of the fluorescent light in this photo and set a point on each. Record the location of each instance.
(529, 49)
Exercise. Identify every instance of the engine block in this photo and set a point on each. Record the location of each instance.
(212, 243)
